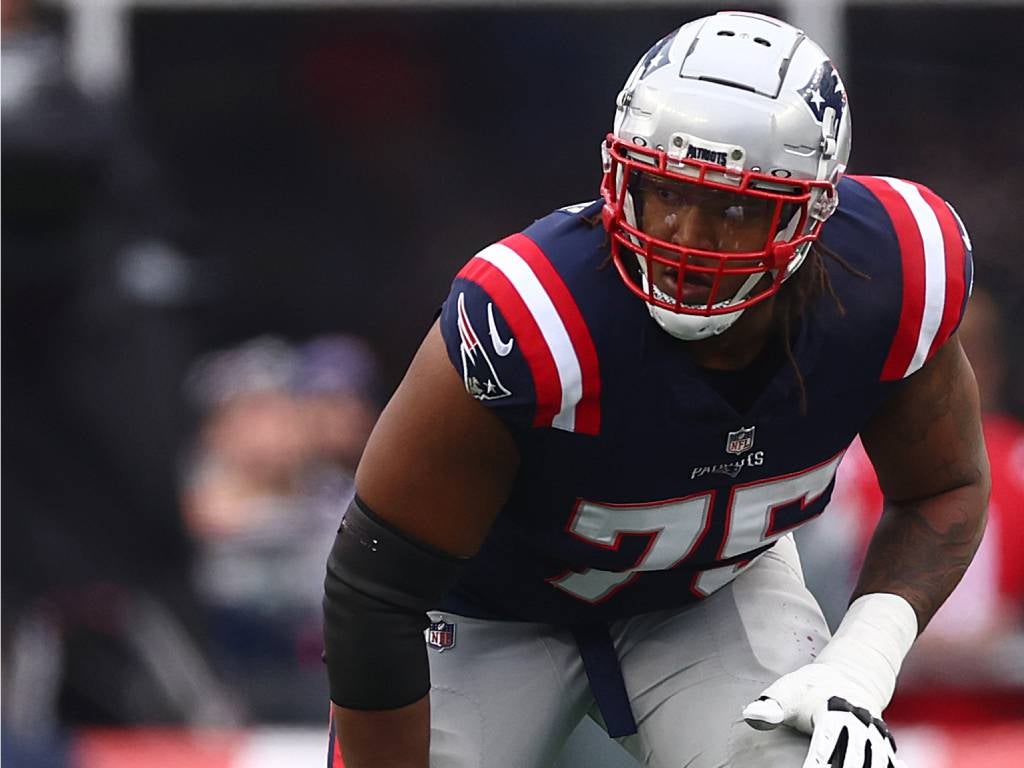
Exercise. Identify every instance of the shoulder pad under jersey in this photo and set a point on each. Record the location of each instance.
(514, 331)
(935, 269)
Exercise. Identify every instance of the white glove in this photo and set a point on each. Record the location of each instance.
(842, 735)
(839, 698)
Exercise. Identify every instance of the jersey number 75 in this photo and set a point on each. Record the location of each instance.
(675, 528)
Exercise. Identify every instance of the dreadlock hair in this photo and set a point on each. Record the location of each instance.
(800, 293)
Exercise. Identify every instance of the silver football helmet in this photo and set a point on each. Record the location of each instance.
(743, 110)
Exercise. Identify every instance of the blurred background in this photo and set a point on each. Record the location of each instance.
(226, 227)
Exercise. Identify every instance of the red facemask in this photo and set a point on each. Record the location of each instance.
(781, 205)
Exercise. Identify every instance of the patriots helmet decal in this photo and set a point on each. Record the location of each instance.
(657, 56)
(825, 89)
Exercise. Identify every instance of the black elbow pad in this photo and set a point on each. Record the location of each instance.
(380, 583)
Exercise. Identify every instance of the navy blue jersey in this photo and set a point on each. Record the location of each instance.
(642, 485)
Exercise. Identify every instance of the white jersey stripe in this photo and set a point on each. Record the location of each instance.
(530, 290)
(934, 268)
(967, 244)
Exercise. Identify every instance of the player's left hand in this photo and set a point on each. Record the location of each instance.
(843, 735)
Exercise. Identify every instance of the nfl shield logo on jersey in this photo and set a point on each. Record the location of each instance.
(740, 441)
(441, 635)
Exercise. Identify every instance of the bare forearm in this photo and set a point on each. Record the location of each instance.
(927, 447)
(397, 738)
(921, 549)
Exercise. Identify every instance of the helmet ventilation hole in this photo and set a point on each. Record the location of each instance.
(726, 33)
(762, 41)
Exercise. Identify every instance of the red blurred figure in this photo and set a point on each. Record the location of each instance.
(968, 665)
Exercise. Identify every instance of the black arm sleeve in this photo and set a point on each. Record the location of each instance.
(380, 583)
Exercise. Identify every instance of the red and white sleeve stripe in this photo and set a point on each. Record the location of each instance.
(549, 328)
(935, 282)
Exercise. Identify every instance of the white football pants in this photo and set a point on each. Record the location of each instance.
(508, 694)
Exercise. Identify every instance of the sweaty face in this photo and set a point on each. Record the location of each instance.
(692, 216)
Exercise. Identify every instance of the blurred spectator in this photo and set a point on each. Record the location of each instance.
(251, 445)
(336, 381)
(265, 489)
(95, 280)
(973, 649)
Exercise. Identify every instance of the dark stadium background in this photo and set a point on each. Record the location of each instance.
(337, 158)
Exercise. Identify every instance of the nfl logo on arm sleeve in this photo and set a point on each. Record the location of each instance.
(441, 635)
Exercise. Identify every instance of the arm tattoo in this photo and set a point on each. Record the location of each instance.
(921, 550)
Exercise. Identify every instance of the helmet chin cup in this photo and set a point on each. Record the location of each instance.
(692, 327)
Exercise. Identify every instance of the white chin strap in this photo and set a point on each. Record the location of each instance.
(696, 327)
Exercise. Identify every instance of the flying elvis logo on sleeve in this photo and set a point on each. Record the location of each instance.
(478, 372)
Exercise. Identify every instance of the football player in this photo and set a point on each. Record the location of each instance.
(580, 498)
